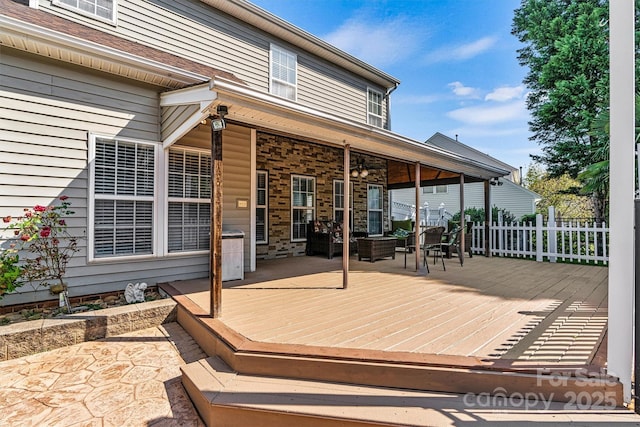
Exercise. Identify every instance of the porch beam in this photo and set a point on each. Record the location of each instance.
(346, 216)
(215, 251)
(416, 236)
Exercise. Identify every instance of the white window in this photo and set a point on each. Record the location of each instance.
(338, 202)
(101, 9)
(189, 200)
(262, 207)
(374, 108)
(435, 189)
(123, 185)
(374, 210)
(303, 205)
(283, 70)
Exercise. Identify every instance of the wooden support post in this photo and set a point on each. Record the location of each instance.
(416, 236)
(487, 219)
(215, 251)
(345, 217)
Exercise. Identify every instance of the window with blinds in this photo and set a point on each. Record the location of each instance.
(124, 179)
(374, 209)
(283, 69)
(374, 108)
(303, 205)
(189, 198)
(262, 208)
(103, 9)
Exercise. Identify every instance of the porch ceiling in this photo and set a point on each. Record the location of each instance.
(265, 111)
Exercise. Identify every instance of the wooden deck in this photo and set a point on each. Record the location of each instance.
(513, 312)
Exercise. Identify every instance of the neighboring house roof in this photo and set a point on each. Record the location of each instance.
(455, 146)
(43, 33)
(284, 30)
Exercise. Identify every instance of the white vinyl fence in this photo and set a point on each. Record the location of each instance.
(546, 241)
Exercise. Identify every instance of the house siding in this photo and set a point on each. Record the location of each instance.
(510, 197)
(48, 110)
(283, 157)
(195, 31)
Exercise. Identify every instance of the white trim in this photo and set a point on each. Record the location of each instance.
(622, 185)
(370, 114)
(47, 39)
(313, 208)
(381, 210)
(34, 4)
(91, 197)
(114, 12)
(252, 214)
(266, 205)
(286, 83)
(165, 207)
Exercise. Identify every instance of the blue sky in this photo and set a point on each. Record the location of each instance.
(456, 60)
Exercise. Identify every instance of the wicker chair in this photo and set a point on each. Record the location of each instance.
(431, 239)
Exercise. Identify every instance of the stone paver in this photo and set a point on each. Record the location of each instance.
(126, 380)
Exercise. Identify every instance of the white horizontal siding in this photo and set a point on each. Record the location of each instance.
(511, 198)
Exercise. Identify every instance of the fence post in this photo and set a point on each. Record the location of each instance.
(552, 240)
(500, 234)
(539, 238)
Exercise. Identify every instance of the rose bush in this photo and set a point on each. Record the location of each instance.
(42, 238)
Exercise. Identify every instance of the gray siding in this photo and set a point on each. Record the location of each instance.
(236, 177)
(193, 30)
(509, 196)
(48, 110)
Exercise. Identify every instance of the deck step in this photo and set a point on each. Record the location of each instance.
(227, 398)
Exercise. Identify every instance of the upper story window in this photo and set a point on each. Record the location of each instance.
(435, 189)
(283, 69)
(374, 108)
(102, 9)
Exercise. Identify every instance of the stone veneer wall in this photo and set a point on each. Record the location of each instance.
(283, 157)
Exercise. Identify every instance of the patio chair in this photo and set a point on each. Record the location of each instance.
(432, 241)
(452, 243)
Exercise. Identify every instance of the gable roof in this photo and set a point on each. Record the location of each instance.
(440, 140)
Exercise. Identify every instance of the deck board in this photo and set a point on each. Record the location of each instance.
(491, 308)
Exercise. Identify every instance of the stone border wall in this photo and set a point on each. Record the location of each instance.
(26, 338)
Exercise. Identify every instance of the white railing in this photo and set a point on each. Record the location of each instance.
(551, 241)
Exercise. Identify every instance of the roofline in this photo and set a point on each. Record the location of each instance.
(397, 146)
(270, 23)
(512, 168)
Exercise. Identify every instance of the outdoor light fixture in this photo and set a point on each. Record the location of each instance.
(217, 123)
(360, 171)
(495, 181)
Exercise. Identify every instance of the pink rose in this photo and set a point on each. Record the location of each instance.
(62, 222)
(28, 214)
(7, 218)
(24, 237)
(45, 232)
(63, 197)
(40, 208)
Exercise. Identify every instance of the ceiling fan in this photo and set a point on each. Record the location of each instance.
(361, 170)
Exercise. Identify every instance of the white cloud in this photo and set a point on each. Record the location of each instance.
(485, 115)
(505, 93)
(461, 90)
(378, 43)
(463, 51)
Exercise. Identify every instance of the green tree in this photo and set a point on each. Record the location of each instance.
(559, 192)
(566, 52)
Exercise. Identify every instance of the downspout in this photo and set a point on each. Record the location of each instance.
(387, 97)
